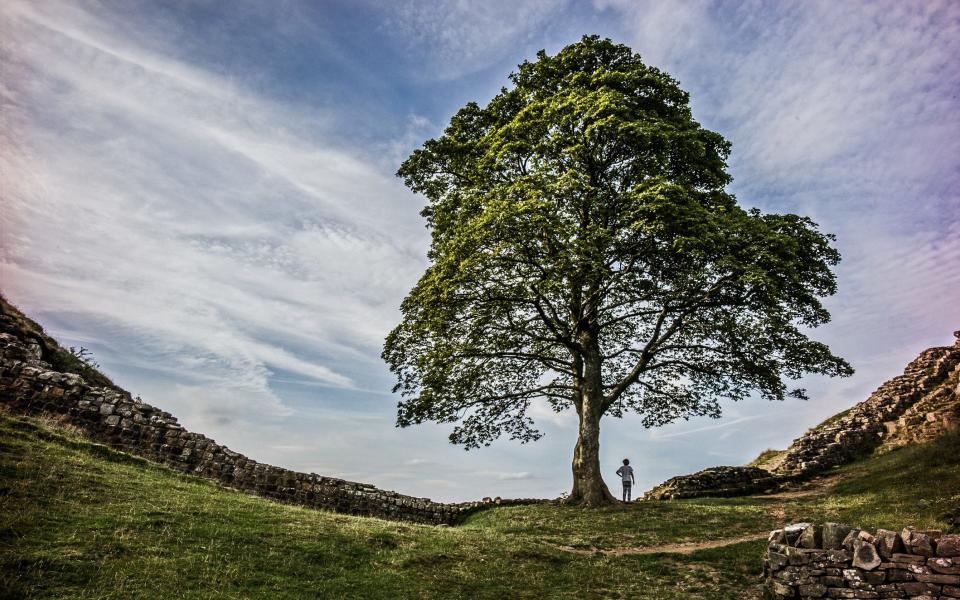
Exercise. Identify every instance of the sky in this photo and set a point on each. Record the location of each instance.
(203, 195)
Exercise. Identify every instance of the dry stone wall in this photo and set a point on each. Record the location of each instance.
(716, 481)
(922, 402)
(838, 561)
(29, 385)
(934, 372)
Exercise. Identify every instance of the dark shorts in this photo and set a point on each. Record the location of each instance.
(626, 485)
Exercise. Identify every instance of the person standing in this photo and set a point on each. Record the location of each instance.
(626, 476)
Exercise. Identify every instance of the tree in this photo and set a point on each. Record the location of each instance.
(585, 252)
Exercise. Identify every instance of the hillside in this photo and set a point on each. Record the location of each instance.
(84, 514)
(79, 520)
(38, 377)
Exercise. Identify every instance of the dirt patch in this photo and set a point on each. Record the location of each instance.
(679, 548)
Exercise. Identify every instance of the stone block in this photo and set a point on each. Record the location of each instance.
(917, 542)
(947, 566)
(791, 532)
(813, 590)
(778, 561)
(812, 537)
(797, 556)
(908, 558)
(922, 543)
(865, 555)
(938, 578)
(833, 535)
(888, 542)
(916, 588)
(874, 577)
(849, 539)
(784, 590)
(948, 545)
(899, 575)
(848, 593)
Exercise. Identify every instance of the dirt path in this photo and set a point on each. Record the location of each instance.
(680, 548)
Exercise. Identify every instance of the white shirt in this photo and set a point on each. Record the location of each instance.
(625, 472)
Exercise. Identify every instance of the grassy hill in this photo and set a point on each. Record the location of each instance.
(79, 520)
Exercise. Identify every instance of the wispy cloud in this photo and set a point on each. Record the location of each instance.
(520, 475)
(507, 475)
(221, 230)
(459, 38)
(680, 430)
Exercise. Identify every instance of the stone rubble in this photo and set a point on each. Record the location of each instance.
(913, 564)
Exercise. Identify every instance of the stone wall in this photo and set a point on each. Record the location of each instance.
(716, 481)
(934, 372)
(108, 414)
(837, 561)
(915, 406)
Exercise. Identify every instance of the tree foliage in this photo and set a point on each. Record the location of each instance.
(585, 251)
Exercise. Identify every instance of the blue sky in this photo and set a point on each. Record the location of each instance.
(202, 193)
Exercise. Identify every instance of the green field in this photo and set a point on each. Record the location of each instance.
(78, 520)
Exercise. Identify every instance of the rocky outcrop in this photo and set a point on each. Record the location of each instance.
(918, 405)
(107, 414)
(837, 561)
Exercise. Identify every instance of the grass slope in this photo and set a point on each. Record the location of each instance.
(78, 520)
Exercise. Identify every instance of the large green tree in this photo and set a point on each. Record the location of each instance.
(584, 251)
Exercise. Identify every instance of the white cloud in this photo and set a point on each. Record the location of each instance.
(514, 476)
(542, 413)
(507, 475)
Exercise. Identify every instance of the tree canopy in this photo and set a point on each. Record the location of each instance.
(585, 252)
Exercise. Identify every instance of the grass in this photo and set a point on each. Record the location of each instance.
(78, 520)
(766, 456)
(831, 420)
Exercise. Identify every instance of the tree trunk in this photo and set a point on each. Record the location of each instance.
(589, 489)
